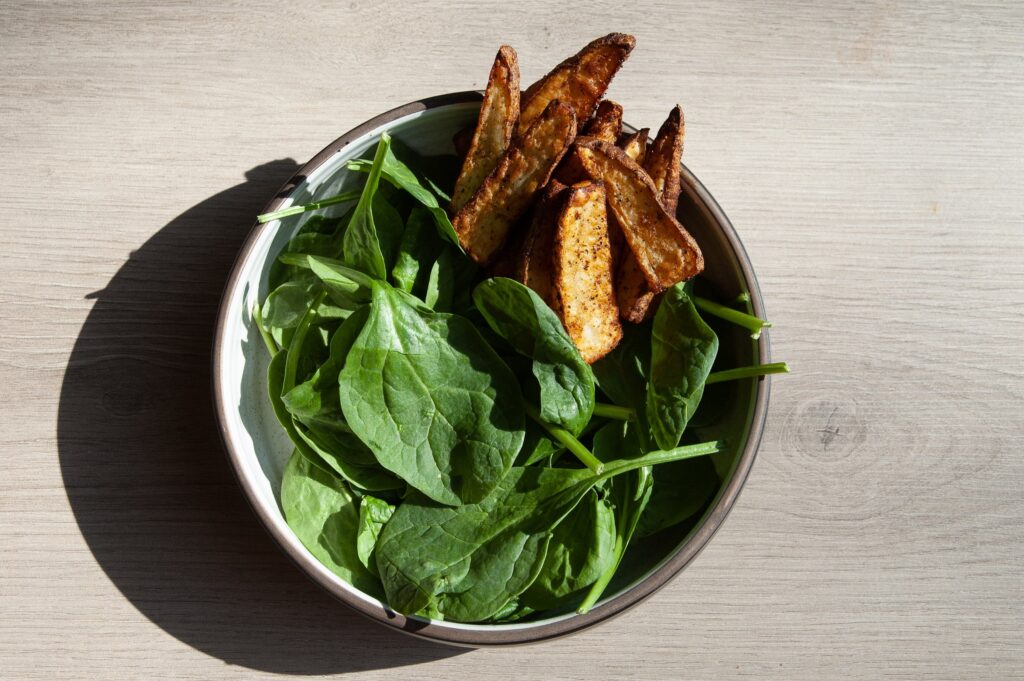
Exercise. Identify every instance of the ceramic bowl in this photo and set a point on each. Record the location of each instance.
(258, 449)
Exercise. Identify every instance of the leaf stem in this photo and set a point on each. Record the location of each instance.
(565, 438)
(295, 210)
(612, 411)
(741, 298)
(747, 372)
(747, 321)
(257, 316)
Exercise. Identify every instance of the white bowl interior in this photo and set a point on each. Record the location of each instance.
(251, 429)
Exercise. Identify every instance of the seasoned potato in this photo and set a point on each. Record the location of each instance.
(499, 114)
(579, 81)
(484, 222)
(665, 252)
(536, 260)
(635, 144)
(663, 159)
(461, 140)
(584, 289)
(607, 122)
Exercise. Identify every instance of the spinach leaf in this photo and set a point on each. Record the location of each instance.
(537, 446)
(469, 561)
(683, 348)
(522, 318)
(374, 513)
(681, 489)
(419, 246)
(285, 307)
(622, 373)
(431, 399)
(401, 176)
(366, 244)
(582, 548)
(322, 512)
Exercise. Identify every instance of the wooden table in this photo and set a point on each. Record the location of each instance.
(870, 156)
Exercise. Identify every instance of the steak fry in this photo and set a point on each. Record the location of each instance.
(584, 290)
(484, 222)
(663, 159)
(499, 113)
(536, 260)
(579, 81)
(607, 122)
(665, 252)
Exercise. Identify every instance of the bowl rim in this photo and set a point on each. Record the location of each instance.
(437, 631)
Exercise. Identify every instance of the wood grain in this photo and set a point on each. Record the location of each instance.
(869, 153)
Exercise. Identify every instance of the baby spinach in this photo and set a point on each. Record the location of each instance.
(469, 561)
(371, 240)
(431, 399)
(323, 513)
(419, 247)
(523, 319)
(683, 348)
(374, 513)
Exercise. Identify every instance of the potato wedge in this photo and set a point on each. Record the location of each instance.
(665, 251)
(632, 291)
(499, 114)
(635, 144)
(536, 259)
(663, 159)
(483, 224)
(584, 288)
(607, 122)
(579, 81)
(462, 140)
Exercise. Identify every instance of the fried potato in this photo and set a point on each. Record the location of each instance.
(484, 222)
(579, 81)
(499, 114)
(663, 159)
(584, 289)
(665, 252)
(635, 144)
(632, 291)
(607, 122)
(536, 259)
(462, 140)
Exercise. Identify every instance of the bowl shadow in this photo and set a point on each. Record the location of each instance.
(147, 479)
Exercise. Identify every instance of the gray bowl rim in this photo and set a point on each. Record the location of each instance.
(474, 638)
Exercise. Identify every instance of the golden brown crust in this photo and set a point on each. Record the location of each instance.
(536, 259)
(632, 292)
(663, 160)
(665, 251)
(607, 122)
(506, 194)
(579, 81)
(583, 278)
(635, 144)
(499, 114)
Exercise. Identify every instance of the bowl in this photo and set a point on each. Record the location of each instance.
(258, 449)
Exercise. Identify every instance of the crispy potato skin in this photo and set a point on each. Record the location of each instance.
(635, 144)
(535, 264)
(579, 81)
(583, 280)
(483, 224)
(607, 122)
(499, 114)
(663, 160)
(633, 293)
(665, 251)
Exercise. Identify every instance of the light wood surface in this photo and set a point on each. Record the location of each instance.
(870, 155)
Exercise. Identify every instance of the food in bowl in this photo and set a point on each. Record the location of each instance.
(484, 416)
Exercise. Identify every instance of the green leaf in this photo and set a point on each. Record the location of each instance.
(683, 348)
(431, 399)
(522, 318)
(374, 513)
(323, 514)
(400, 175)
(362, 245)
(681, 489)
(469, 561)
(284, 308)
(419, 246)
(622, 373)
